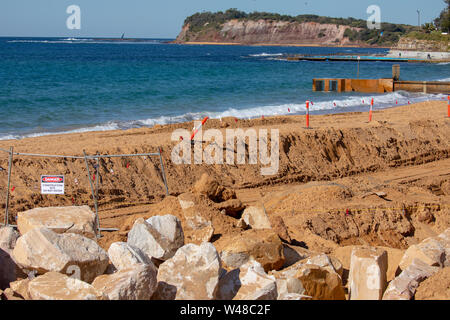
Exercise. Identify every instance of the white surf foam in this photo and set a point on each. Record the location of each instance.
(329, 106)
(264, 54)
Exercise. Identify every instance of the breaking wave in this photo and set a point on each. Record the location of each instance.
(346, 103)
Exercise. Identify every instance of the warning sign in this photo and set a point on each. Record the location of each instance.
(52, 184)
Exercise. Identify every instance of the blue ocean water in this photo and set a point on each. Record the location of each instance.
(57, 85)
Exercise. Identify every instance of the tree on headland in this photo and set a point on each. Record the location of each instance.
(443, 21)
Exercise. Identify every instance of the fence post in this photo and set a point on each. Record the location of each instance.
(93, 194)
(97, 178)
(163, 172)
(11, 149)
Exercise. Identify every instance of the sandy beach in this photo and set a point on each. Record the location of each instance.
(324, 191)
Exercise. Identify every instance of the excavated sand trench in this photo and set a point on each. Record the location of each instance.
(323, 190)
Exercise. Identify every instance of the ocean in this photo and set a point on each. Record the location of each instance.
(60, 85)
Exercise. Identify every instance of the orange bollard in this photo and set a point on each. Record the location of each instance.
(370, 112)
(307, 114)
(448, 106)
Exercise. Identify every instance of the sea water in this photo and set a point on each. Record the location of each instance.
(57, 85)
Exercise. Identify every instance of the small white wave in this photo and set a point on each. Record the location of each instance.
(76, 39)
(40, 41)
(443, 63)
(264, 54)
(104, 127)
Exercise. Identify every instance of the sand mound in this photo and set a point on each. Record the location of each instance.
(437, 287)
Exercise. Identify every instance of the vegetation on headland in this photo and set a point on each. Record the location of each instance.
(357, 30)
(388, 35)
(442, 22)
(437, 31)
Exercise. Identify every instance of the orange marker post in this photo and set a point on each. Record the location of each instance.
(448, 106)
(307, 114)
(198, 128)
(370, 112)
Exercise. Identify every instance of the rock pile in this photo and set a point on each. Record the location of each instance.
(48, 263)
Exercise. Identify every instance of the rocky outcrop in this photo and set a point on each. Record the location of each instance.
(268, 32)
(408, 43)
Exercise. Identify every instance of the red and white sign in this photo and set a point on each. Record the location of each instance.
(52, 184)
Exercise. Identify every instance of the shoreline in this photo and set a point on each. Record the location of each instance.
(94, 128)
(58, 140)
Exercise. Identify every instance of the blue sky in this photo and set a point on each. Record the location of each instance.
(163, 19)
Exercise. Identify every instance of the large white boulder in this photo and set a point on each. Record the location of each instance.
(8, 238)
(444, 239)
(320, 283)
(80, 220)
(43, 250)
(136, 283)
(124, 256)
(256, 218)
(191, 274)
(249, 282)
(404, 286)
(9, 271)
(57, 286)
(157, 237)
(431, 251)
(367, 275)
(263, 246)
(326, 262)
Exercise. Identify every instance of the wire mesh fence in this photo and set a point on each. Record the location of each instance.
(100, 181)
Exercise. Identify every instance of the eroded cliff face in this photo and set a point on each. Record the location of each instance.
(269, 32)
